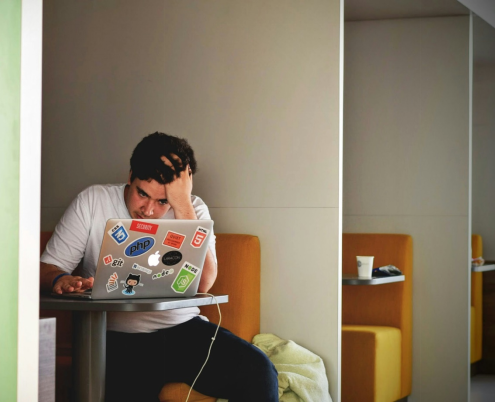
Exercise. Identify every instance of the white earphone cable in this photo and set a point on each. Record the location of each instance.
(211, 344)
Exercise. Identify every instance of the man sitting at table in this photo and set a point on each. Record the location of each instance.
(145, 350)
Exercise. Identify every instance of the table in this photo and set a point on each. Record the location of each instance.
(485, 267)
(355, 280)
(89, 334)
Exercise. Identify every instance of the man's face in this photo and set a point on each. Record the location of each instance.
(146, 199)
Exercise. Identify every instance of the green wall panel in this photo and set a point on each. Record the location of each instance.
(10, 89)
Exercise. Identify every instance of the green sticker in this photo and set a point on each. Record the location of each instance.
(186, 276)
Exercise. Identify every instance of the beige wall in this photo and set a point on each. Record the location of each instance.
(254, 86)
(483, 136)
(406, 170)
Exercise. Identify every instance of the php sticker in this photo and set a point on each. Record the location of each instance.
(139, 246)
(171, 258)
(118, 233)
(135, 266)
(174, 240)
(145, 227)
(118, 262)
(162, 274)
(112, 284)
(184, 279)
(108, 259)
(199, 237)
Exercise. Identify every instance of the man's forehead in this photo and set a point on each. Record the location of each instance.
(152, 188)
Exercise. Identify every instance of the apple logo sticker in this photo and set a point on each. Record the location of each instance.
(153, 260)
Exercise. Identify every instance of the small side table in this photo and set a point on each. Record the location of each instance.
(89, 334)
(355, 280)
(485, 267)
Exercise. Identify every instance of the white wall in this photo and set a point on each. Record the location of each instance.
(406, 170)
(29, 196)
(254, 86)
(484, 136)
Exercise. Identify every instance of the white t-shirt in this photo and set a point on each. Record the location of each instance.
(79, 234)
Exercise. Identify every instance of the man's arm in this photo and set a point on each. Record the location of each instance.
(210, 267)
(69, 283)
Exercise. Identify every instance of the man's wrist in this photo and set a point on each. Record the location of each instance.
(54, 281)
(185, 212)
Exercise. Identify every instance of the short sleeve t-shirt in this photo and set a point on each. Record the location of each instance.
(78, 237)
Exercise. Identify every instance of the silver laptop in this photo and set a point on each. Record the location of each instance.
(149, 259)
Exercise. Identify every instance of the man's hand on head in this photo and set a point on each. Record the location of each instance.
(179, 191)
(72, 284)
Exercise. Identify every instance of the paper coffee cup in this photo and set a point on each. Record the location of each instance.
(365, 266)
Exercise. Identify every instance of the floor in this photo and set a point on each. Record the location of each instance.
(483, 388)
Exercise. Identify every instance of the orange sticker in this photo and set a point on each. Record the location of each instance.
(174, 240)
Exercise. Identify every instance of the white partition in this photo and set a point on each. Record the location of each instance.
(406, 170)
(255, 87)
(483, 135)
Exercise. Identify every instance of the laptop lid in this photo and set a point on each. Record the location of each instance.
(151, 258)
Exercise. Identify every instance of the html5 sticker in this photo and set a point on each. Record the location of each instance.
(108, 259)
(174, 240)
(199, 237)
(145, 227)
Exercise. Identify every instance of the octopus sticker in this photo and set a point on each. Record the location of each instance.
(132, 280)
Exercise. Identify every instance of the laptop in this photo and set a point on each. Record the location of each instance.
(149, 259)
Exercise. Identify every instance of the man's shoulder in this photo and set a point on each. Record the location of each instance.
(102, 190)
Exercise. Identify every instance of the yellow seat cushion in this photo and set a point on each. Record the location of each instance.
(371, 363)
(177, 392)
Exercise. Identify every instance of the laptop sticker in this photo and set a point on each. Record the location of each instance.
(174, 240)
(199, 237)
(135, 266)
(139, 246)
(112, 284)
(162, 274)
(118, 262)
(154, 259)
(108, 259)
(118, 233)
(144, 227)
(132, 280)
(184, 279)
(171, 258)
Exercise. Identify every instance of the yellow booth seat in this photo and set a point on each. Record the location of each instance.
(377, 322)
(476, 302)
(238, 276)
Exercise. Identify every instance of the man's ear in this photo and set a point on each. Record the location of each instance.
(129, 178)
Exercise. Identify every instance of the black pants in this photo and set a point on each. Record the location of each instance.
(139, 364)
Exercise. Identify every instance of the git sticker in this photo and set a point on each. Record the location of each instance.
(184, 279)
(118, 233)
(174, 240)
(118, 262)
(199, 237)
(112, 283)
(108, 259)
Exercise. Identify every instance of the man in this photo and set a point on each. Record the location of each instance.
(147, 349)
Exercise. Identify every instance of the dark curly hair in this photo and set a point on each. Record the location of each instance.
(146, 160)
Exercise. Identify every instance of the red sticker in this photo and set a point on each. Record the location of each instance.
(108, 259)
(199, 237)
(174, 240)
(145, 227)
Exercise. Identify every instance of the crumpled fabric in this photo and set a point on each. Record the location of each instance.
(301, 373)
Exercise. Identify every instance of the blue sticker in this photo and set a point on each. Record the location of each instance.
(139, 246)
(118, 233)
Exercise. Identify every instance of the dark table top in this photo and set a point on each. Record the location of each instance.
(133, 305)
